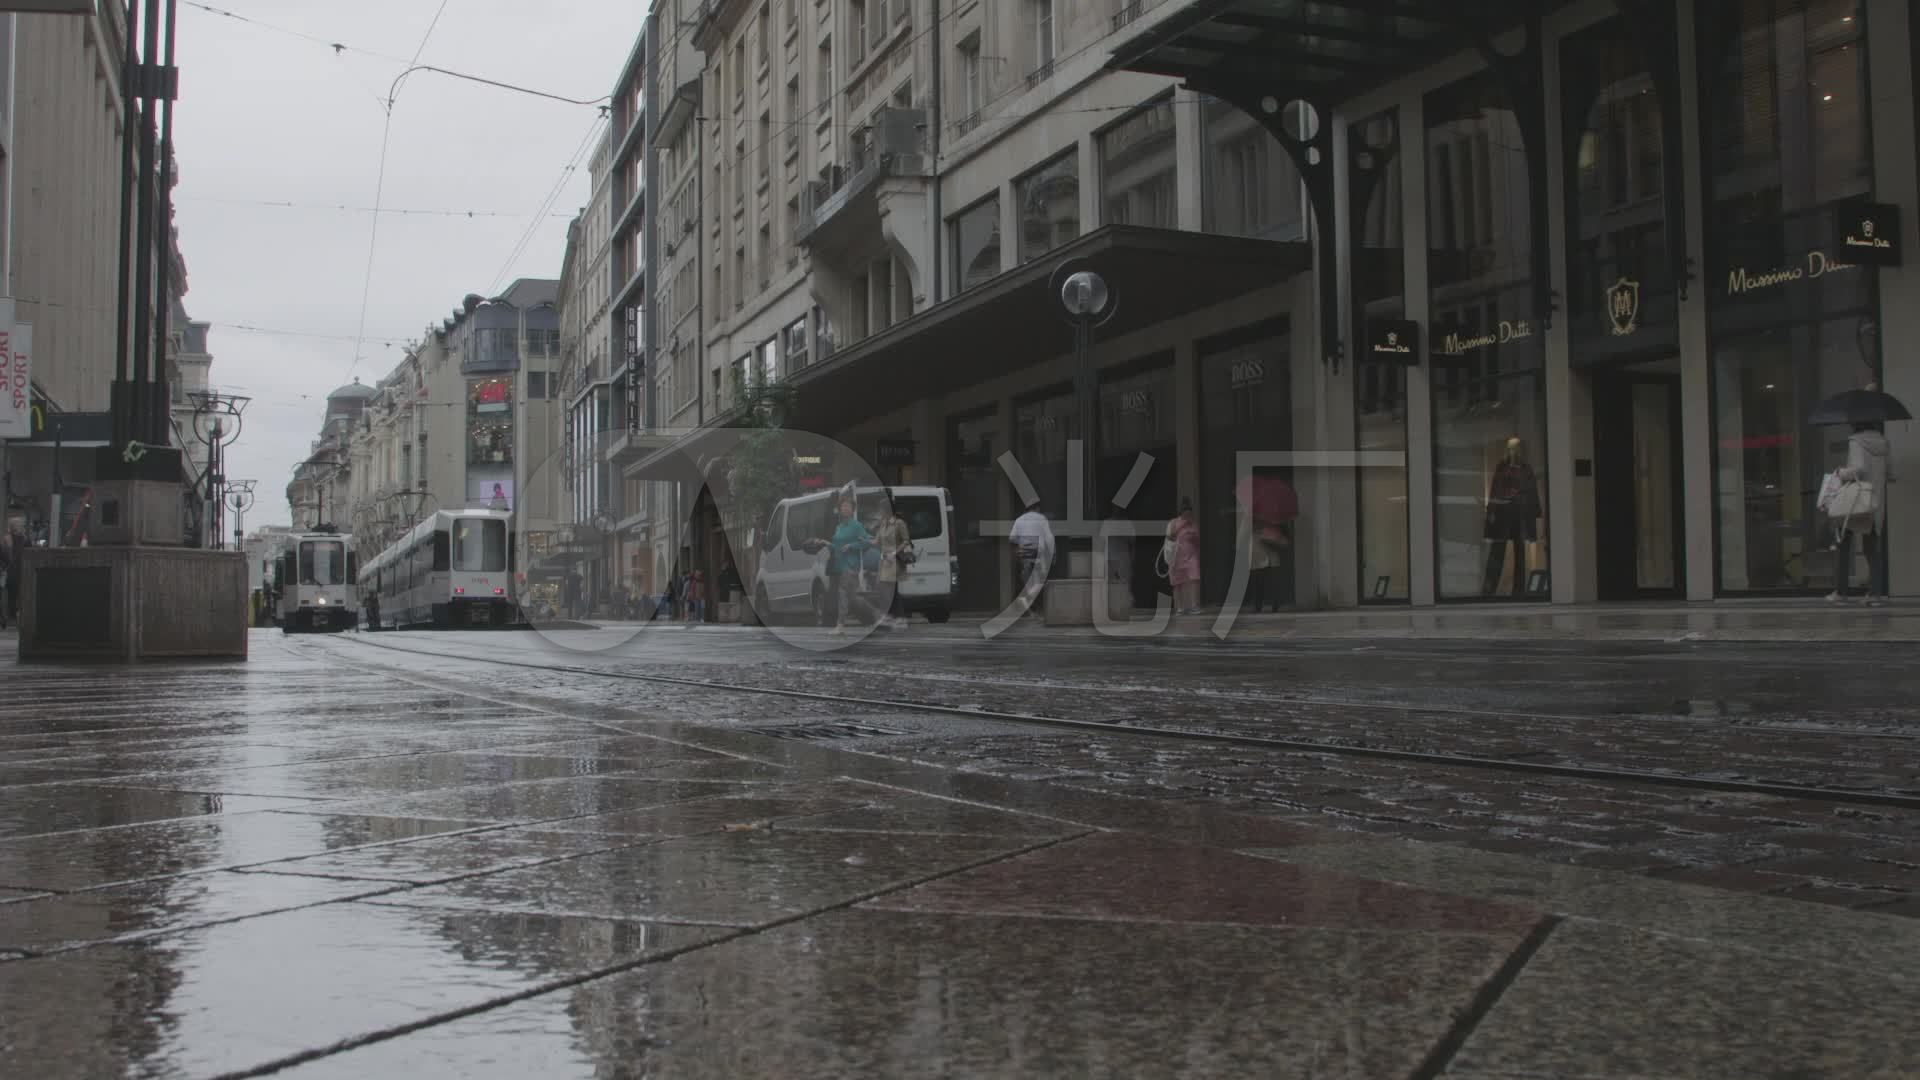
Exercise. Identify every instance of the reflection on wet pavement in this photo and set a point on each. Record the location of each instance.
(128, 912)
(88, 860)
(30, 811)
(735, 878)
(245, 993)
(330, 871)
(874, 994)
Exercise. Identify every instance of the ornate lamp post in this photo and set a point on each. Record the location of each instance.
(239, 500)
(216, 423)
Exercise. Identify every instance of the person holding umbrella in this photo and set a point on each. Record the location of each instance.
(1869, 465)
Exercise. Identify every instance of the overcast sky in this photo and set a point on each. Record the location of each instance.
(268, 117)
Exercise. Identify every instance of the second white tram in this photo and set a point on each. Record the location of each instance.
(454, 569)
(313, 583)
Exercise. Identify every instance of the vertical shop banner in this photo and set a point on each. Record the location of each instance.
(633, 367)
(633, 395)
(16, 367)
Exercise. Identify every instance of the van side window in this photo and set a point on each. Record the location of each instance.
(776, 529)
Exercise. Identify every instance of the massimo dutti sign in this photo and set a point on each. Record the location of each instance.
(1457, 342)
(1809, 267)
(1393, 341)
(1867, 232)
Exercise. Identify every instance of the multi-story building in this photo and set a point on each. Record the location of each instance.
(1569, 275)
(585, 389)
(465, 419)
(62, 114)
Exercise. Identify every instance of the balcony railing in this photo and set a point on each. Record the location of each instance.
(895, 146)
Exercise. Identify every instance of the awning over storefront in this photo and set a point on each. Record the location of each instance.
(1324, 51)
(1010, 323)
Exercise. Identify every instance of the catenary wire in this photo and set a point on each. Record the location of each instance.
(347, 208)
(380, 191)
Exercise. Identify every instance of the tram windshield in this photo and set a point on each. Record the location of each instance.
(479, 545)
(323, 562)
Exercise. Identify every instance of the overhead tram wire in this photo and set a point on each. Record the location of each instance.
(380, 189)
(345, 208)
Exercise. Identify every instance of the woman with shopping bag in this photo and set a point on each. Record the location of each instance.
(1854, 497)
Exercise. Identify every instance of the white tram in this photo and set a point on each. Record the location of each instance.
(313, 582)
(453, 569)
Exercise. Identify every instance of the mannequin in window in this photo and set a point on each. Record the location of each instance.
(1513, 518)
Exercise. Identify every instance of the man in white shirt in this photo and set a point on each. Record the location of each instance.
(1032, 540)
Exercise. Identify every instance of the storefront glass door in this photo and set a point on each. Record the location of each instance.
(1637, 485)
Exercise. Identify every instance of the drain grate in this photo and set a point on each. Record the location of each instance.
(832, 729)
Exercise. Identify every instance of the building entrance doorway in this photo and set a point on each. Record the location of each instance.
(1637, 487)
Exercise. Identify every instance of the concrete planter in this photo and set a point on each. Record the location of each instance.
(127, 604)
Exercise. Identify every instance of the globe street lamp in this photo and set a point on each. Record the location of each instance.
(1089, 303)
(239, 500)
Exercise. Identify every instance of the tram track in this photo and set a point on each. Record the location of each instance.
(1128, 728)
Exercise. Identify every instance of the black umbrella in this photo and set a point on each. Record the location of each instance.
(1869, 406)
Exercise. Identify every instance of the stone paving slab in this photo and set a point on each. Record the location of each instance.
(1608, 1002)
(731, 809)
(243, 994)
(1862, 940)
(442, 858)
(1135, 878)
(749, 878)
(101, 857)
(131, 912)
(887, 994)
(70, 807)
(533, 801)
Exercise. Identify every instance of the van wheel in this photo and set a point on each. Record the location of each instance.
(938, 615)
(819, 602)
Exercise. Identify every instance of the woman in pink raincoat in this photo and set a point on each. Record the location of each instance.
(1183, 570)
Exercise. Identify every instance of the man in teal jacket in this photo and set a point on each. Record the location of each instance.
(850, 542)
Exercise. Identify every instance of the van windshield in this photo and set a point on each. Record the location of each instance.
(922, 513)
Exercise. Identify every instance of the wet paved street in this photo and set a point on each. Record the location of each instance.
(435, 855)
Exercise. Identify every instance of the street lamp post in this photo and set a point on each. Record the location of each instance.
(240, 500)
(216, 423)
(1089, 303)
(604, 522)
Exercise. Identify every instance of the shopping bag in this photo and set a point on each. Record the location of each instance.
(1853, 499)
(1829, 486)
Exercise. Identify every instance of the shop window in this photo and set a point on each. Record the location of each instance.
(1042, 427)
(490, 421)
(1137, 169)
(1246, 406)
(1049, 202)
(975, 480)
(1489, 423)
(1791, 322)
(1250, 186)
(976, 244)
(796, 335)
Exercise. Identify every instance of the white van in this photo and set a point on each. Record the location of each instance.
(792, 582)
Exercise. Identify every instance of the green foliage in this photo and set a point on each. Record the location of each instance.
(760, 466)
